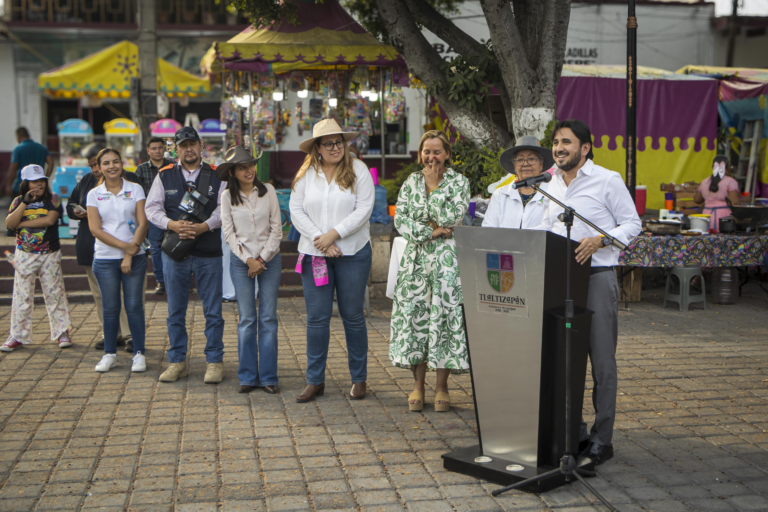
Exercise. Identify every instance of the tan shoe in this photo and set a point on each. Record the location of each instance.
(174, 372)
(214, 374)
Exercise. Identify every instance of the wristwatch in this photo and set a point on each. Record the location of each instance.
(606, 241)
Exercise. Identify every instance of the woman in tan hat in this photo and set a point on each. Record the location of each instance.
(331, 204)
(250, 219)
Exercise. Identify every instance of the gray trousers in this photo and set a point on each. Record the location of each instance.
(603, 300)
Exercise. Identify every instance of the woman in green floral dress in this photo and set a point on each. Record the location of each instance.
(427, 328)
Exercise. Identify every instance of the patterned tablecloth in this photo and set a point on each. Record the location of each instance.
(695, 251)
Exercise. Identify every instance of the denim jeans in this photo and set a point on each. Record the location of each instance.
(155, 236)
(348, 275)
(110, 277)
(258, 352)
(208, 280)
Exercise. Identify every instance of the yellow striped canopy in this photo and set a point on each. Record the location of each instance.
(108, 73)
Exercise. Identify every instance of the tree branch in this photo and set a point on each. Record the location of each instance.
(508, 47)
(464, 44)
(424, 62)
(554, 38)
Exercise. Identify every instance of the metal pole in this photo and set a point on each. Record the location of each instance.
(147, 67)
(631, 141)
(248, 116)
(382, 173)
(732, 33)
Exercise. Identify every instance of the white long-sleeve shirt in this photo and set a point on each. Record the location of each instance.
(253, 227)
(600, 196)
(506, 209)
(318, 207)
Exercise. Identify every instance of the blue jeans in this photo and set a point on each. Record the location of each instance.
(258, 353)
(155, 236)
(110, 278)
(349, 276)
(208, 280)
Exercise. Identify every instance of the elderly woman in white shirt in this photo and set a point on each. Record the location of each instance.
(250, 218)
(331, 204)
(520, 208)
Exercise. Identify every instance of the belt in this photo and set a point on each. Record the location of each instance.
(597, 270)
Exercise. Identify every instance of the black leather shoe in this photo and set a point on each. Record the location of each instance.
(270, 389)
(246, 389)
(596, 455)
(160, 289)
(129, 346)
(583, 445)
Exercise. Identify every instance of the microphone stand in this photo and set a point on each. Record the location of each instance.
(568, 463)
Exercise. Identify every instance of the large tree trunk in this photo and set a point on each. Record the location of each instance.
(424, 62)
(529, 44)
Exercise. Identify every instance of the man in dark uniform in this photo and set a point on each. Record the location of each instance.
(170, 189)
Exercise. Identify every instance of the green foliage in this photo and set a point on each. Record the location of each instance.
(479, 164)
(546, 142)
(367, 14)
(393, 185)
(266, 12)
(467, 83)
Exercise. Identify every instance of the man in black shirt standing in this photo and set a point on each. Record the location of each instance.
(146, 174)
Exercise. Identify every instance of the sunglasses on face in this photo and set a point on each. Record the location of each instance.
(330, 145)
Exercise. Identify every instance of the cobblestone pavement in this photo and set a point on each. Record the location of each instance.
(691, 431)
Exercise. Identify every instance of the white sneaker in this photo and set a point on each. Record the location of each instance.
(106, 363)
(139, 363)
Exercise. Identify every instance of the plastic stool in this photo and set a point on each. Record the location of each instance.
(685, 275)
(366, 303)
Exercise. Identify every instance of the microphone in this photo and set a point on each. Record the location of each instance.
(544, 177)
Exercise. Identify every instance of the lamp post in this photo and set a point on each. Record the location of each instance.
(631, 139)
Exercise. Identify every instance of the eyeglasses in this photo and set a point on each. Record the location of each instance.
(526, 161)
(330, 145)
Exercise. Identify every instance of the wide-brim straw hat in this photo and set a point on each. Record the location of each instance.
(530, 143)
(235, 155)
(323, 128)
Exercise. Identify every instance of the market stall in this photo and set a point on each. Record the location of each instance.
(123, 135)
(166, 129)
(107, 74)
(280, 80)
(742, 100)
(74, 136)
(214, 135)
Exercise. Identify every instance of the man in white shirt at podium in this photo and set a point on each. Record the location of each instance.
(601, 197)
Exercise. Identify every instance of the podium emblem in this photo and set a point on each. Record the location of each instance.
(501, 271)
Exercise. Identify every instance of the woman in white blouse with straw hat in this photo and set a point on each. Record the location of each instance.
(331, 205)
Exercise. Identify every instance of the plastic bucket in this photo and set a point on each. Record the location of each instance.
(641, 196)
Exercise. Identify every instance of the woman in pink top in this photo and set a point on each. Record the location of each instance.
(713, 191)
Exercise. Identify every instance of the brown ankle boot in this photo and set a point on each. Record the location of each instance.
(310, 392)
(358, 391)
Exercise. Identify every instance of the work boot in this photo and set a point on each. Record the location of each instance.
(174, 372)
(214, 374)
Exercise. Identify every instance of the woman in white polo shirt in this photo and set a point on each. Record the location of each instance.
(117, 220)
(331, 205)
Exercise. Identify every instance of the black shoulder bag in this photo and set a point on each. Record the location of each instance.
(193, 209)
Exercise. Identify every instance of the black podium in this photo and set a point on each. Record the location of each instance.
(514, 293)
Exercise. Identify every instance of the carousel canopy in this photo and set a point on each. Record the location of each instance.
(325, 36)
(751, 73)
(108, 73)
